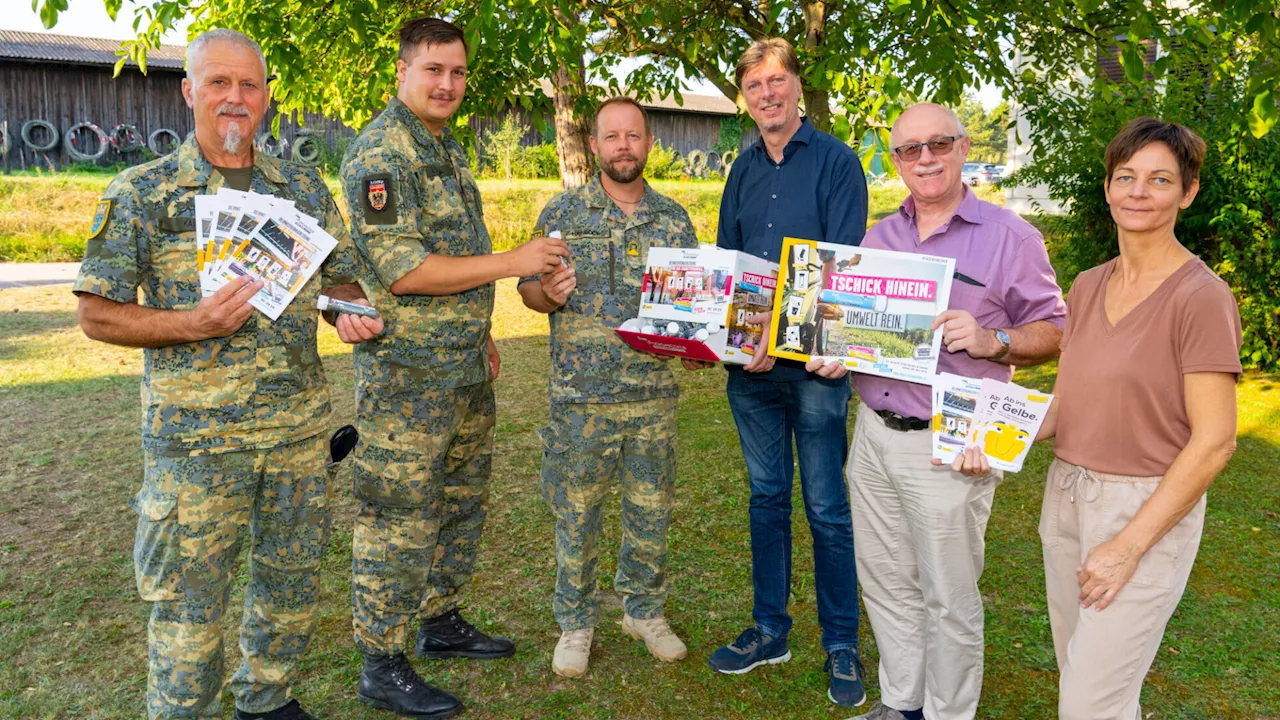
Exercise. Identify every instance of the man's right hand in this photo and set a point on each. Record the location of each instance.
(762, 362)
(225, 311)
(539, 256)
(557, 285)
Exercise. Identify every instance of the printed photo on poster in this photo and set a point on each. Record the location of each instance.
(870, 309)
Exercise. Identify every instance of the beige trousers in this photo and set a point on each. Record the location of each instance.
(1104, 655)
(919, 533)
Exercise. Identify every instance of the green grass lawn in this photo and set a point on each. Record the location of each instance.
(44, 217)
(74, 633)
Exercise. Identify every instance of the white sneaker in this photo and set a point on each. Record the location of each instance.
(572, 653)
(658, 637)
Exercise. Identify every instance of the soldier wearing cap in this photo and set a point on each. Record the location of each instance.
(424, 389)
(234, 405)
(613, 409)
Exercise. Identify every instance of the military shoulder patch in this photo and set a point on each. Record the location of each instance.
(100, 217)
(379, 199)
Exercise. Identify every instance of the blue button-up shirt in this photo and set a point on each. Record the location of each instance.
(817, 192)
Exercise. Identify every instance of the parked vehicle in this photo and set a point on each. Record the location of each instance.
(972, 174)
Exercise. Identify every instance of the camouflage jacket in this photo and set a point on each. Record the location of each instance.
(261, 387)
(589, 362)
(410, 194)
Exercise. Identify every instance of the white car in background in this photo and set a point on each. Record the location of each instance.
(976, 173)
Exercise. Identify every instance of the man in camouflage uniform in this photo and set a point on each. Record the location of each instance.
(613, 409)
(424, 390)
(234, 405)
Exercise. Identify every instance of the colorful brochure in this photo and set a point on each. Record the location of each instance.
(869, 309)
(244, 233)
(1005, 422)
(954, 400)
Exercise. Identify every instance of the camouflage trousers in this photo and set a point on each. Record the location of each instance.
(192, 516)
(587, 446)
(422, 476)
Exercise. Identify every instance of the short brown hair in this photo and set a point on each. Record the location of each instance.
(762, 50)
(1186, 146)
(428, 31)
(620, 100)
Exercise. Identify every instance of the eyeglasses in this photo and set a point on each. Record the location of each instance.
(939, 146)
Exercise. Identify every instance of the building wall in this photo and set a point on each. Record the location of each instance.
(65, 95)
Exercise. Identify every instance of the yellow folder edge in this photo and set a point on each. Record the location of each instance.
(784, 283)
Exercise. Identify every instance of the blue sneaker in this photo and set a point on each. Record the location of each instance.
(845, 670)
(748, 652)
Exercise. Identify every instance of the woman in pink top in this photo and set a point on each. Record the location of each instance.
(1145, 419)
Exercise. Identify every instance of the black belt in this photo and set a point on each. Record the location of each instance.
(894, 421)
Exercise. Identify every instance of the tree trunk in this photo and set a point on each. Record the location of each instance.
(817, 102)
(572, 129)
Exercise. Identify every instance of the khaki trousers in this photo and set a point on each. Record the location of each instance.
(919, 533)
(1103, 656)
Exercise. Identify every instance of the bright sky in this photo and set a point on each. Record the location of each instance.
(87, 18)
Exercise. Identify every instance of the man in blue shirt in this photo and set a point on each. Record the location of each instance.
(796, 181)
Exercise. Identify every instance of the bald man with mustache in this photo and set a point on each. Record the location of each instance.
(919, 527)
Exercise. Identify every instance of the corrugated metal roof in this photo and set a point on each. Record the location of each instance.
(48, 47)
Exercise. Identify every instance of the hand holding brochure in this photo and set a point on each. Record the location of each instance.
(1002, 419)
(265, 237)
(954, 400)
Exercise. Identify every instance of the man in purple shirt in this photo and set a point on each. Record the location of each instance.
(919, 526)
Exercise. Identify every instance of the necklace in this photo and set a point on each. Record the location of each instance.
(620, 200)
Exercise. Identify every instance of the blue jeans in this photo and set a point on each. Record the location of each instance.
(768, 414)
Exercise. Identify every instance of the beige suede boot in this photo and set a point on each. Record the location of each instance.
(657, 636)
(572, 653)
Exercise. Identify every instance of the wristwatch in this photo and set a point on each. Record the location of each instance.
(1003, 337)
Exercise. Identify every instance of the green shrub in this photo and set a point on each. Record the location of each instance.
(1232, 225)
(502, 145)
(330, 162)
(538, 161)
(663, 164)
(730, 136)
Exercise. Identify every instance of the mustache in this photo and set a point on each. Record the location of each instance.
(447, 97)
(928, 169)
(233, 109)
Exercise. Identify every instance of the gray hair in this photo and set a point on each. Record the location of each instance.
(955, 119)
(195, 51)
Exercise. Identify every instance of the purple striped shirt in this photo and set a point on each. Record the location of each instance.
(1003, 278)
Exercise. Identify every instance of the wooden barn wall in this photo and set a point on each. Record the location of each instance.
(679, 130)
(684, 132)
(65, 95)
(484, 123)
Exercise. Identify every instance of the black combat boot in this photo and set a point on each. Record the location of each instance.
(291, 711)
(448, 635)
(388, 682)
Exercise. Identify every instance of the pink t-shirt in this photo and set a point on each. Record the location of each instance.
(1121, 405)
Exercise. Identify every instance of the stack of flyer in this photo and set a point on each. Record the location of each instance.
(999, 418)
(262, 236)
